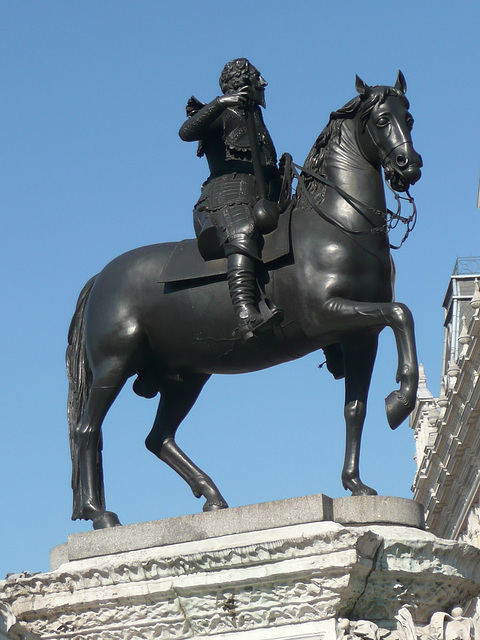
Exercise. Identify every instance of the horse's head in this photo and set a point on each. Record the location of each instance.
(384, 132)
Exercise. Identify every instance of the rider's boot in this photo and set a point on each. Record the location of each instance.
(242, 284)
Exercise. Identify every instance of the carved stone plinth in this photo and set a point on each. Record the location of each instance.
(291, 581)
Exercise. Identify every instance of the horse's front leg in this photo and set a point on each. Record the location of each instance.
(359, 353)
(352, 316)
(400, 403)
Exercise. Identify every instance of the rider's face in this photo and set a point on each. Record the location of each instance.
(258, 84)
(251, 77)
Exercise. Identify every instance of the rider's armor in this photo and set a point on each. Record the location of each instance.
(229, 194)
(223, 215)
(235, 137)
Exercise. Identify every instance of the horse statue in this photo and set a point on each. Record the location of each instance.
(164, 314)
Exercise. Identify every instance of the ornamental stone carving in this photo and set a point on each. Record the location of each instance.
(442, 627)
(282, 583)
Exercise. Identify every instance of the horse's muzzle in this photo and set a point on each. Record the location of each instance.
(402, 181)
(403, 167)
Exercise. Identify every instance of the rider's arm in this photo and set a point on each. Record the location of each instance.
(198, 125)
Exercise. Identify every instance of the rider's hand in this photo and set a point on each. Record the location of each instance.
(238, 98)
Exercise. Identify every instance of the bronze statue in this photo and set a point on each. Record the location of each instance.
(164, 314)
(243, 188)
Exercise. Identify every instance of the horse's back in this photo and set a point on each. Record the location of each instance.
(130, 304)
(121, 279)
(120, 296)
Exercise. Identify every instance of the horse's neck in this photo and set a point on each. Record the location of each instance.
(348, 168)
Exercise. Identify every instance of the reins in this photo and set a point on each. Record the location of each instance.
(391, 218)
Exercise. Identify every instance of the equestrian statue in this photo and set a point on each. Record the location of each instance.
(270, 278)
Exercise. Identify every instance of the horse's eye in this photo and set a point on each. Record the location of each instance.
(382, 121)
(410, 122)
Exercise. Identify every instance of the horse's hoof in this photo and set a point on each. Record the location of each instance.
(356, 486)
(106, 520)
(398, 408)
(364, 491)
(214, 506)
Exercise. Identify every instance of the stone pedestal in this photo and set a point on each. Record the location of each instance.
(292, 569)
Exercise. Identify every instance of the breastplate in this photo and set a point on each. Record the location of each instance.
(237, 144)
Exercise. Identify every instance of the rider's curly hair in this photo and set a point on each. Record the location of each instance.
(236, 74)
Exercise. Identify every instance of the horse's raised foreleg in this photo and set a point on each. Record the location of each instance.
(350, 315)
(178, 397)
(89, 491)
(359, 353)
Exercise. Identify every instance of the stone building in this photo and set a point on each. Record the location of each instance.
(447, 428)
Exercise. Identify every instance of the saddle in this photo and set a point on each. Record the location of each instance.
(185, 263)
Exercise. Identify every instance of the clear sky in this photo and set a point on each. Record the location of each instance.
(93, 94)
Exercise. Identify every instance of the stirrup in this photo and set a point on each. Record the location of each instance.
(247, 326)
(244, 332)
(271, 314)
(268, 318)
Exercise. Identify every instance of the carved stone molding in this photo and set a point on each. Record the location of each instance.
(442, 626)
(261, 583)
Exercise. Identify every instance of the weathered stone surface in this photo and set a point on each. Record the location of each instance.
(378, 510)
(198, 526)
(442, 626)
(255, 580)
(6, 621)
(420, 571)
(9, 628)
(284, 582)
(257, 517)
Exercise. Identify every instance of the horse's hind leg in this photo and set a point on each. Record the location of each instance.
(359, 353)
(178, 397)
(89, 500)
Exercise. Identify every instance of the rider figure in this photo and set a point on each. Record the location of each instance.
(241, 192)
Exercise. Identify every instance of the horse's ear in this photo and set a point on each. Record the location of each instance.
(362, 88)
(401, 84)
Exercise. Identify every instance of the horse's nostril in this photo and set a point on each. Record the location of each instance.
(402, 161)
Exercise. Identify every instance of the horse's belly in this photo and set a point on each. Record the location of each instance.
(197, 332)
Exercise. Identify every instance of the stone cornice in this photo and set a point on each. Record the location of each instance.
(301, 574)
(240, 520)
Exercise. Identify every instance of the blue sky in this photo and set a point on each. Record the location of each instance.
(91, 165)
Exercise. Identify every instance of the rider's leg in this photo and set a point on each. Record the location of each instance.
(242, 285)
(242, 258)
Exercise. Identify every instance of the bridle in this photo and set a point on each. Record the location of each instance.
(391, 219)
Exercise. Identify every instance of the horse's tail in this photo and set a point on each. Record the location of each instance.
(79, 384)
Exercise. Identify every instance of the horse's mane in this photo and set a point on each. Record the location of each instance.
(333, 131)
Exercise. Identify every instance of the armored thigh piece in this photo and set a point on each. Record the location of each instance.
(226, 203)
